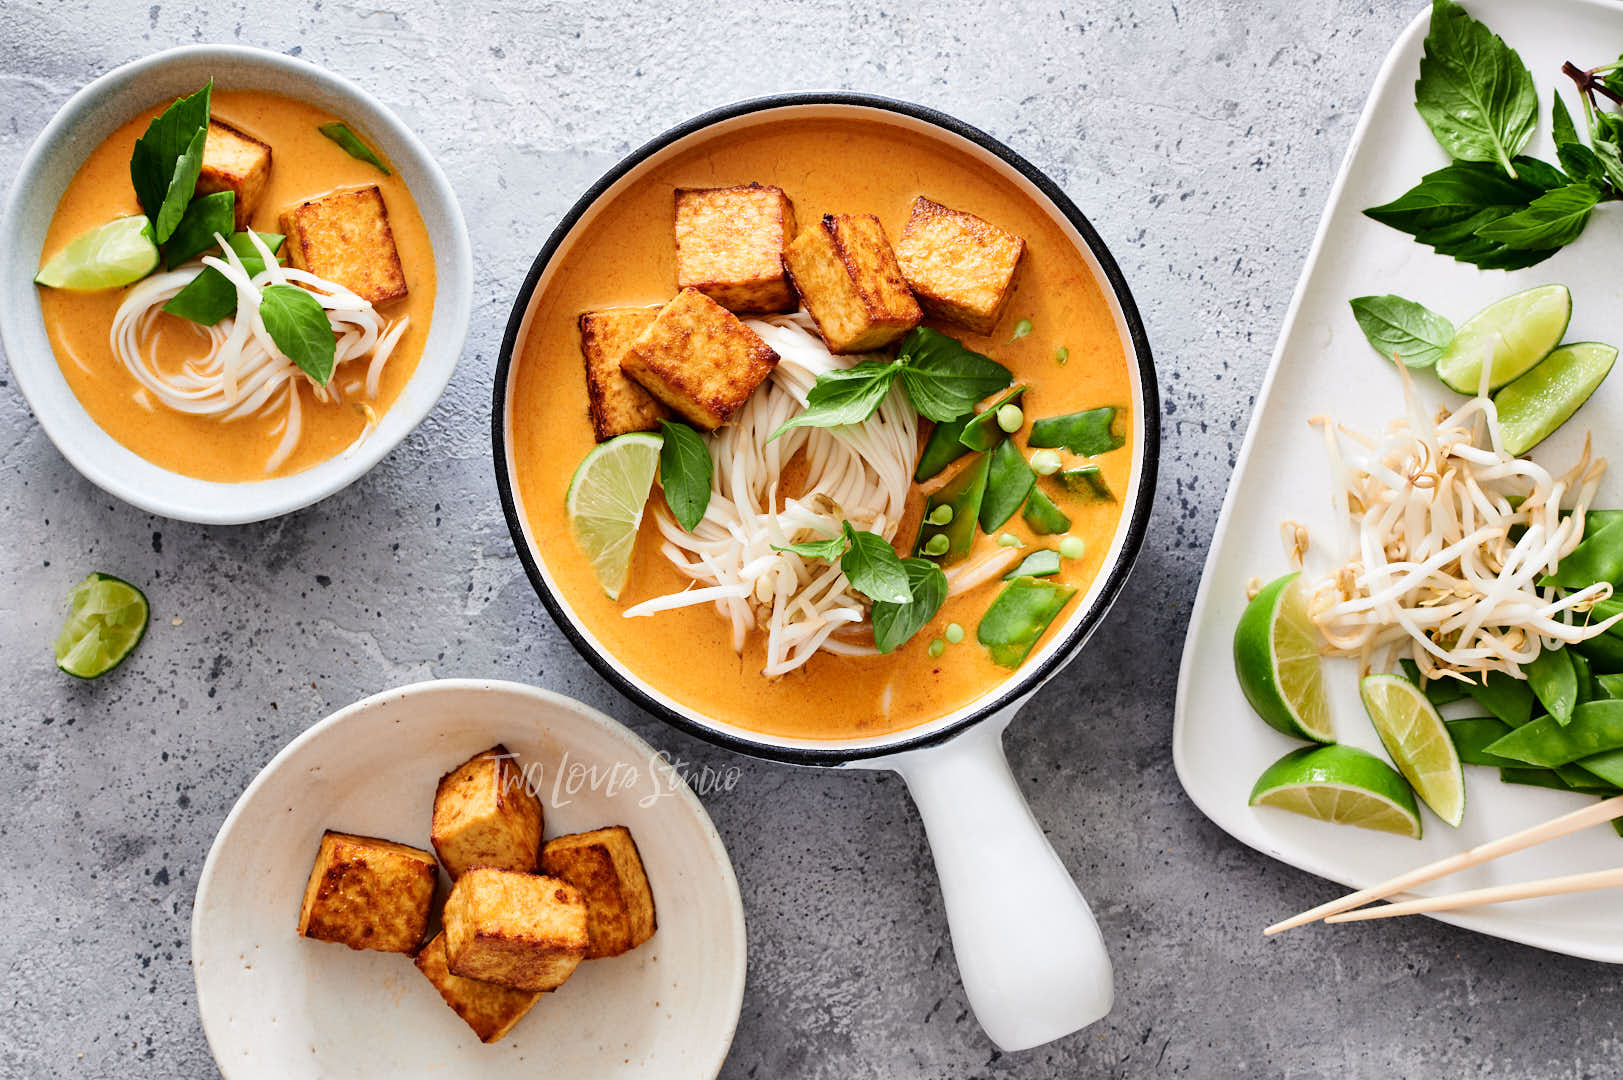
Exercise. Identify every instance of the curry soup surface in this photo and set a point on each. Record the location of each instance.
(304, 165)
(627, 257)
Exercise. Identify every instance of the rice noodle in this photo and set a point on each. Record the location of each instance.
(1450, 535)
(244, 373)
(860, 473)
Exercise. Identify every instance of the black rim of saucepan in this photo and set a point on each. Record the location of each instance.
(837, 754)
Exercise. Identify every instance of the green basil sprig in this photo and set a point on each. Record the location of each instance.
(868, 561)
(943, 380)
(207, 215)
(340, 133)
(167, 159)
(1474, 92)
(1411, 331)
(209, 297)
(895, 623)
(685, 473)
(299, 326)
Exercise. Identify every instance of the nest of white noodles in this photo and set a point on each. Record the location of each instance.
(1449, 536)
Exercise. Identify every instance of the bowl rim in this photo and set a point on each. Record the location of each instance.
(536, 694)
(1012, 691)
(221, 502)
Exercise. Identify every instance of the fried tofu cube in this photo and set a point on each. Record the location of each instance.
(490, 1010)
(959, 266)
(235, 161)
(368, 893)
(851, 284)
(700, 359)
(729, 246)
(605, 866)
(345, 238)
(486, 815)
(523, 931)
(617, 403)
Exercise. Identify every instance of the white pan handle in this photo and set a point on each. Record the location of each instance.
(1029, 952)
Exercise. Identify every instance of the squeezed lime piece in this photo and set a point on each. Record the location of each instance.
(1342, 785)
(1508, 336)
(109, 256)
(605, 503)
(1418, 741)
(106, 620)
(1276, 658)
(1533, 406)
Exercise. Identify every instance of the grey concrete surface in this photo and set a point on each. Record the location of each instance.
(1201, 138)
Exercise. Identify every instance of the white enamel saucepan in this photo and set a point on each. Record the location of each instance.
(1033, 963)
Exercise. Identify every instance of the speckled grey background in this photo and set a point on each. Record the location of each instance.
(1201, 142)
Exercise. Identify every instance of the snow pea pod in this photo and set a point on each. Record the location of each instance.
(1554, 681)
(1508, 698)
(981, 431)
(1019, 616)
(1041, 563)
(1607, 766)
(963, 493)
(1604, 651)
(1549, 778)
(942, 448)
(1008, 482)
(1586, 678)
(1089, 432)
(1474, 735)
(1043, 516)
(1595, 728)
(1087, 480)
(1598, 558)
(1609, 687)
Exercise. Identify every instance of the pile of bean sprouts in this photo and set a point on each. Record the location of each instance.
(244, 373)
(1449, 536)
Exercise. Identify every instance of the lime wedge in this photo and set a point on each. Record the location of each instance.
(1543, 399)
(106, 618)
(1418, 741)
(1509, 336)
(107, 257)
(1340, 784)
(605, 503)
(1276, 658)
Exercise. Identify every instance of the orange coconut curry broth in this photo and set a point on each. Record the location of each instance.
(305, 165)
(624, 257)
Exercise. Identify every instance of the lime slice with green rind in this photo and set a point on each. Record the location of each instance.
(1342, 785)
(109, 256)
(1276, 658)
(106, 620)
(1418, 741)
(1546, 396)
(1509, 336)
(605, 503)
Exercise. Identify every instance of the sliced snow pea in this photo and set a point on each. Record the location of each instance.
(1554, 681)
(1017, 618)
(963, 493)
(1473, 736)
(1086, 480)
(1043, 516)
(942, 448)
(1090, 432)
(1510, 699)
(1008, 482)
(1041, 563)
(981, 431)
(1595, 728)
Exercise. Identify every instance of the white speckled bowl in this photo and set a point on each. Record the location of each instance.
(276, 1005)
(89, 117)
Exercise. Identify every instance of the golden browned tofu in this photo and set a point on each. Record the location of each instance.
(959, 266)
(617, 403)
(605, 866)
(368, 893)
(489, 1009)
(485, 815)
(700, 359)
(524, 931)
(345, 238)
(235, 161)
(850, 283)
(729, 246)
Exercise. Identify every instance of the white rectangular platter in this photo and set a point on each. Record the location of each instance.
(1323, 366)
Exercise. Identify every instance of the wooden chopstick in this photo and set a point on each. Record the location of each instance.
(1605, 810)
(1498, 894)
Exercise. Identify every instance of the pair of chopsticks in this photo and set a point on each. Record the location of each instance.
(1340, 911)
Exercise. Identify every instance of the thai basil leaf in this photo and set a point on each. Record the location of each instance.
(204, 217)
(298, 325)
(1448, 207)
(1474, 92)
(893, 623)
(340, 133)
(845, 396)
(685, 472)
(167, 159)
(1403, 328)
(209, 297)
(943, 379)
(873, 568)
(1089, 433)
(1579, 161)
(1552, 220)
(827, 550)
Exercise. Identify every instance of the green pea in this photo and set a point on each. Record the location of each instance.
(955, 633)
(937, 545)
(1010, 417)
(937, 647)
(941, 515)
(1045, 463)
(1062, 354)
(1072, 547)
(1009, 540)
